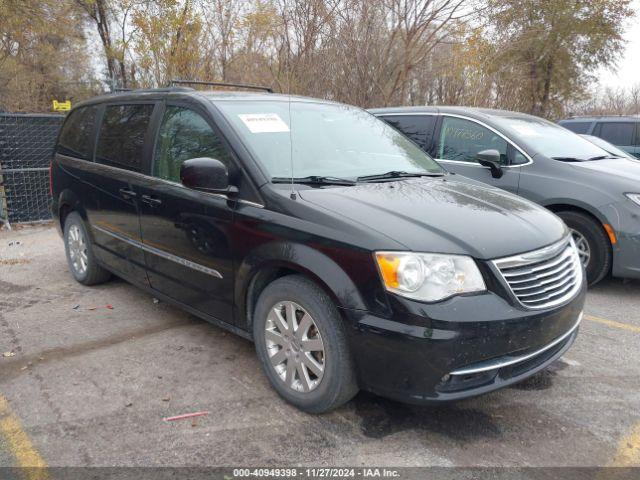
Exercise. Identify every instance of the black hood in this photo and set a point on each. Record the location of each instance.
(445, 215)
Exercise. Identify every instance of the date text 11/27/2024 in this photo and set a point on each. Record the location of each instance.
(315, 473)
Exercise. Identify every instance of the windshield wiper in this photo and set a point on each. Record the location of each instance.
(397, 174)
(568, 159)
(574, 159)
(315, 180)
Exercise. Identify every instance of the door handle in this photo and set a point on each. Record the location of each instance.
(127, 194)
(149, 200)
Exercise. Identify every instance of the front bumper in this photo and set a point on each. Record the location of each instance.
(626, 252)
(463, 347)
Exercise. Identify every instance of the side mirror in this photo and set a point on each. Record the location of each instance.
(206, 174)
(491, 159)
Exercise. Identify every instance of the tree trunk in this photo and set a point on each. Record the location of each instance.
(546, 89)
(97, 11)
(533, 94)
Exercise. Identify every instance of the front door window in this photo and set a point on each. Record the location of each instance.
(185, 134)
(461, 140)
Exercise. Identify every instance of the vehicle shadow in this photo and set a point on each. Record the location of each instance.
(381, 417)
(614, 298)
(461, 421)
(542, 380)
(616, 286)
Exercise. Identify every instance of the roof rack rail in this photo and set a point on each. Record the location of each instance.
(603, 115)
(220, 84)
(151, 90)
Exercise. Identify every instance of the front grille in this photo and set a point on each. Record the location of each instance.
(543, 278)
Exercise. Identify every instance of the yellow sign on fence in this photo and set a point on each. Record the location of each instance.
(61, 106)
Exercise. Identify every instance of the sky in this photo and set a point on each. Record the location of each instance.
(628, 72)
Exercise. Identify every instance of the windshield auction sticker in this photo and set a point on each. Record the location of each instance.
(264, 122)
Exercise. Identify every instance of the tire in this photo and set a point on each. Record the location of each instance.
(585, 227)
(80, 258)
(309, 392)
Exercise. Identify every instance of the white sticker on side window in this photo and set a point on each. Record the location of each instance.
(264, 122)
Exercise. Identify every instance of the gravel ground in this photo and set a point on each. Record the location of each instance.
(90, 385)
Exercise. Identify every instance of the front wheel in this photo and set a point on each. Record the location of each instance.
(301, 343)
(593, 245)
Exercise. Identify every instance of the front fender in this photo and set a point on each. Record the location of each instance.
(550, 203)
(337, 280)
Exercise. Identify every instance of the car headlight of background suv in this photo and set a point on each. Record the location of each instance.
(429, 276)
(634, 197)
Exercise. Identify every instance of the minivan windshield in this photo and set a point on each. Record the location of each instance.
(551, 140)
(324, 141)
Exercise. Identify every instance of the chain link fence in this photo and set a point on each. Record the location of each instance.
(26, 147)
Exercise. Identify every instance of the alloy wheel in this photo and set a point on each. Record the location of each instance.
(584, 251)
(295, 347)
(77, 245)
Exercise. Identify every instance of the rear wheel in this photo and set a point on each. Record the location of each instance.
(592, 243)
(301, 343)
(82, 263)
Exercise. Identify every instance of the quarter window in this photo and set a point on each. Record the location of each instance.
(122, 135)
(518, 158)
(76, 137)
(184, 134)
(462, 140)
(617, 133)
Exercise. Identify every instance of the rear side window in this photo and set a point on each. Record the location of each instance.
(618, 133)
(577, 127)
(418, 128)
(122, 134)
(185, 134)
(76, 136)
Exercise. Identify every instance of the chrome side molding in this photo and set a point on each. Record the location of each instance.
(160, 253)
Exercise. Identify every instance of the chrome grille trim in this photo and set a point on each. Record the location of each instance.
(543, 278)
(548, 273)
(562, 275)
(507, 361)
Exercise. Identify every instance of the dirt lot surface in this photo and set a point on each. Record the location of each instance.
(83, 384)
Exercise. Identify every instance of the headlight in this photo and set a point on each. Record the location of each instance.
(634, 197)
(429, 276)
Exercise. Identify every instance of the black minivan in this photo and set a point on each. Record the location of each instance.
(347, 254)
